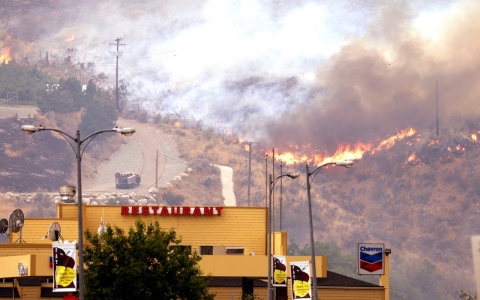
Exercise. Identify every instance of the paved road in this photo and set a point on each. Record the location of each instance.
(139, 154)
(21, 112)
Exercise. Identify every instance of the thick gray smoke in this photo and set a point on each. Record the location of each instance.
(385, 80)
(280, 72)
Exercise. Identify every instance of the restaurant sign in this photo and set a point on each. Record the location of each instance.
(171, 211)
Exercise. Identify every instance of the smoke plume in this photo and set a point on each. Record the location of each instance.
(281, 73)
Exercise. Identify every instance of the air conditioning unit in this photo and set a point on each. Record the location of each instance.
(251, 254)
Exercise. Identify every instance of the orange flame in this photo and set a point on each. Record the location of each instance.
(413, 159)
(474, 137)
(344, 152)
(5, 57)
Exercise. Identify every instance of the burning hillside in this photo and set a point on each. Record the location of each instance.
(5, 56)
(425, 148)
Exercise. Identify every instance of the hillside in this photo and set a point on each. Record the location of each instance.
(419, 197)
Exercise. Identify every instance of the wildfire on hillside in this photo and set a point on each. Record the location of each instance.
(413, 160)
(343, 152)
(423, 151)
(5, 56)
(70, 39)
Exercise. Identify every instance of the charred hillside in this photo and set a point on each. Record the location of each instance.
(420, 197)
(42, 158)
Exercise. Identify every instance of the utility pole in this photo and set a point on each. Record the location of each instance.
(156, 171)
(281, 194)
(249, 168)
(116, 69)
(273, 192)
(436, 97)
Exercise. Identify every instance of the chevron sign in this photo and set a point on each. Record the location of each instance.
(370, 259)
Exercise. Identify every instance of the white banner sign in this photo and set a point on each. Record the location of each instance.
(279, 270)
(476, 259)
(64, 267)
(301, 281)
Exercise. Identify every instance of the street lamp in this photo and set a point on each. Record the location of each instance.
(76, 141)
(346, 164)
(269, 238)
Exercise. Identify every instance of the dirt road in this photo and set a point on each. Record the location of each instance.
(139, 154)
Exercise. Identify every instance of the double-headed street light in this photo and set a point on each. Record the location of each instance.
(269, 238)
(346, 164)
(76, 143)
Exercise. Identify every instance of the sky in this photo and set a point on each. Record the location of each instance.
(280, 73)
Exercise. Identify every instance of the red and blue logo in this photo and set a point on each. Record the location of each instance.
(370, 259)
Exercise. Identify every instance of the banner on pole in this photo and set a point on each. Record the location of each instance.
(475, 239)
(279, 270)
(301, 280)
(64, 267)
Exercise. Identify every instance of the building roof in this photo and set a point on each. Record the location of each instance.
(332, 280)
(335, 279)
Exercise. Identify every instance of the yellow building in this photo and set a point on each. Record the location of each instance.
(231, 240)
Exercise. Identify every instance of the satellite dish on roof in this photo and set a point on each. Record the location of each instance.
(3, 226)
(53, 232)
(16, 222)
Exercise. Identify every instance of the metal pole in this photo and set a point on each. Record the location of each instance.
(266, 179)
(156, 171)
(81, 283)
(269, 240)
(281, 195)
(273, 191)
(249, 169)
(312, 245)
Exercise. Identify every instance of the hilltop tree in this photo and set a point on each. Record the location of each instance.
(66, 96)
(148, 263)
(100, 112)
(28, 83)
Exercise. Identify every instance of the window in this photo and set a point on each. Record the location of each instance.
(182, 248)
(235, 250)
(206, 250)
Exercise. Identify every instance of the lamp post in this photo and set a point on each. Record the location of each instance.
(76, 143)
(269, 238)
(346, 164)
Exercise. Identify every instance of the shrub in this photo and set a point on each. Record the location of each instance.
(207, 181)
(173, 199)
(180, 132)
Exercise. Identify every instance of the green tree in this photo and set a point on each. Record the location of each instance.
(66, 96)
(100, 112)
(28, 83)
(145, 264)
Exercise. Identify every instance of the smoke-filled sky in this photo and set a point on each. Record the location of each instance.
(279, 72)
